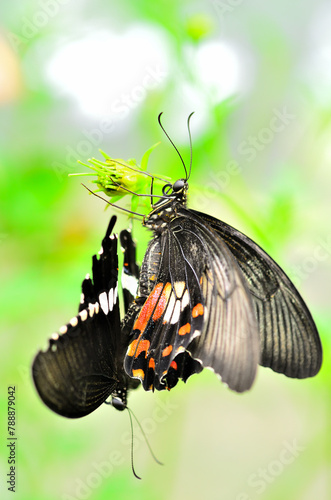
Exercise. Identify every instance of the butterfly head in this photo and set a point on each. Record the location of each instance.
(177, 190)
(118, 403)
(166, 208)
(118, 398)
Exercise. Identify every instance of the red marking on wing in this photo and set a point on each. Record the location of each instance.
(162, 302)
(148, 308)
(184, 329)
(197, 310)
(137, 346)
(173, 365)
(166, 351)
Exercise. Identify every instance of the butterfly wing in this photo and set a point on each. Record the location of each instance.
(290, 343)
(199, 306)
(130, 272)
(77, 372)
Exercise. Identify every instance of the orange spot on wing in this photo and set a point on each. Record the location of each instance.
(151, 363)
(138, 373)
(184, 329)
(162, 302)
(148, 308)
(143, 346)
(137, 346)
(197, 310)
(132, 348)
(166, 351)
(173, 365)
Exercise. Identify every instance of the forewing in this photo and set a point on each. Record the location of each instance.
(290, 343)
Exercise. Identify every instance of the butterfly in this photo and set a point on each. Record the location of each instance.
(83, 364)
(209, 296)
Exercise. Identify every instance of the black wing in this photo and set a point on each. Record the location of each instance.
(83, 364)
(290, 343)
(130, 272)
(199, 306)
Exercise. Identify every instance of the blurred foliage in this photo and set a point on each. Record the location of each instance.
(272, 184)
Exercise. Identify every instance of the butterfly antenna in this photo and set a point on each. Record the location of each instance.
(144, 434)
(137, 170)
(167, 135)
(191, 149)
(118, 184)
(112, 204)
(132, 466)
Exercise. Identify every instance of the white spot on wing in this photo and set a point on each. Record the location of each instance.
(91, 309)
(83, 314)
(63, 329)
(103, 299)
(179, 287)
(169, 308)
(185, 300)
(74, 321)
(100, 251)
(111, 299)
(196, 333)
(175, 316)
(55, 336)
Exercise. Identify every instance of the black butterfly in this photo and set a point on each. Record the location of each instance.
(83, 365)
(210, 297)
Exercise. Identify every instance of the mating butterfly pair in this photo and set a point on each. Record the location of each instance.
(208, 296)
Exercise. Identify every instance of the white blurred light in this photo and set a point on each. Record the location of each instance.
(108, 73)
(218, 69)
(317, 64)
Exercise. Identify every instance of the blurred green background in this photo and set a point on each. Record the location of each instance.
(76, 77)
